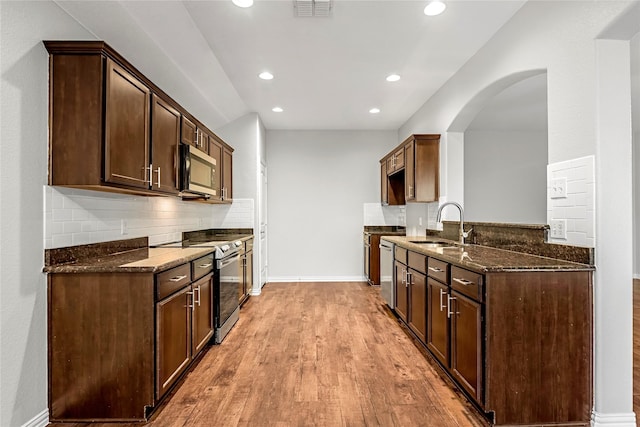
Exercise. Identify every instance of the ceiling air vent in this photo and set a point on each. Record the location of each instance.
(307, 8)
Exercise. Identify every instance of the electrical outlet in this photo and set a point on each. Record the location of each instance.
(559, 188)
(558, 229)
(123, 227)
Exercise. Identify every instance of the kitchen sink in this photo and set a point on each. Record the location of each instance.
(434, 244)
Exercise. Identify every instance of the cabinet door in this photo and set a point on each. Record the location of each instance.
(402, 294)
(126, 129)
(384, 188)
(248, 271)
(165, 137)
(466, 344)
(202, 140)
(202, 313)
(418, 303)
(398, 163)
(367, 261)
(227, 175)
(409, 172)
(215, 152)
(437, 320)
(188, 132)
(390, 165)
(173, 344)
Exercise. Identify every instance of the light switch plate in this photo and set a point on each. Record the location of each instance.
(559, 188)
(558, 229)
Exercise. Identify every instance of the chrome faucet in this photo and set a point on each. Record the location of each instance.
(461, 234)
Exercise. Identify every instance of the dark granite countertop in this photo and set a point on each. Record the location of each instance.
(484, 259)
(385, 229)
(128, 256)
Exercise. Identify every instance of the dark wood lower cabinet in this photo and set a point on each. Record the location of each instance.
(517, 343)
(402, 294)
(418, 302)
(173, 352)
(466, 343)
(437, 320)
(118, 342)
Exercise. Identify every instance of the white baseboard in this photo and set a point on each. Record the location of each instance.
(297, 279)
(636, 276)
(40, 420)
(255, 292)
(625, 419)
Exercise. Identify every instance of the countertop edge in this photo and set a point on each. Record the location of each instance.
(478, 265)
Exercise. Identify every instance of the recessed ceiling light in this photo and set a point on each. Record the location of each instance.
(277, 110)
(393, 78)
(374, 110)
(435, 8)
(243, 3)
(265, 75)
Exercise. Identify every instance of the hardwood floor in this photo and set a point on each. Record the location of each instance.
(314, 354)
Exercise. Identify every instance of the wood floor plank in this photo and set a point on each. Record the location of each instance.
(314, 354)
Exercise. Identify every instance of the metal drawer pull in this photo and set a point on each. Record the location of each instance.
(158, 172)
(205, 265)
(177, 278)
(463, 281)
(409, 276)
(442, 293)
(436, 269)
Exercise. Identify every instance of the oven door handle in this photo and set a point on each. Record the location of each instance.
(227, 261)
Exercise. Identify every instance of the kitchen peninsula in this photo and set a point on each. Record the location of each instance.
(512, 330)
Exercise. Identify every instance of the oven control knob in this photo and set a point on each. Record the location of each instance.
(238, 243)
(224, 248)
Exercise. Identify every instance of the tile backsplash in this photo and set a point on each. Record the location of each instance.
(77, 217)
(577, 206)
(376, 214)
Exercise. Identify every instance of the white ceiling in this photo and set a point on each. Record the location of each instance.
(328, 71)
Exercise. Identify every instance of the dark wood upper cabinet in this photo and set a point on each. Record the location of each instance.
(188, 134)
(412, 172)
(166, 137)
(215, 151)
(227, 174)
(384, 187)
(112, 129)
(126, 129)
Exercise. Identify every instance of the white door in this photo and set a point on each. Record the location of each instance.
(263, 225)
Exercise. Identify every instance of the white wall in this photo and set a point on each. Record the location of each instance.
(23, 172)
(318, 182)
(505, 176)
(246, 136)
(635, 110)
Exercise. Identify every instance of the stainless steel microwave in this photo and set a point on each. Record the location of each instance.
(197, 173)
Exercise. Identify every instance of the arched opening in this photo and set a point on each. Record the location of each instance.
(505, 156)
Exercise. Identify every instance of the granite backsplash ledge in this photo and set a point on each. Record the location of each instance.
(525, 238)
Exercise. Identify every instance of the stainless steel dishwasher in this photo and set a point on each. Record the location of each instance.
(386, 273)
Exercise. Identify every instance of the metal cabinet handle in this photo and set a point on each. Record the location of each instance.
(442, 293)
(463, 281)
(197, 300)
(404, 276)
(409, 276)
(177, 278)
(158, 172)
(193, 303)
(436, 269)
(410, 190)
(449, 312)
(205, 265)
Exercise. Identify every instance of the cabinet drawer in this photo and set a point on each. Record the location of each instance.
(172, 280)
(417, 261)
(399, 159)
(201, 266)
(467, 282)
(401, 254)
(438, 270)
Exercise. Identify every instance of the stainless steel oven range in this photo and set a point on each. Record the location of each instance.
(225, 285)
